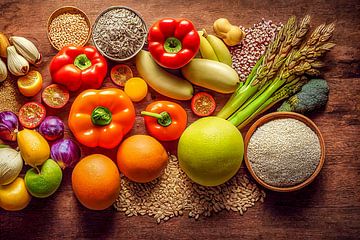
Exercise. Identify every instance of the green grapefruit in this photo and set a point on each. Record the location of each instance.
(210, 151)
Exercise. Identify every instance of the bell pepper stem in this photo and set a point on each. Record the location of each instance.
(172, 45)
(163, 118)
(101, 116)
(82, 62)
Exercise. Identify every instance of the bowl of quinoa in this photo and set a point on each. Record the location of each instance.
(284, 151)
(119, 33)
(68, 25)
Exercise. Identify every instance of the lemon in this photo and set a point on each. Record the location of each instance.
(30, 84)
(14, 196)
(34, 148)
(210, 151)
(136, 88)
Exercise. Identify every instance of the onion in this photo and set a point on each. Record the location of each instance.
(9, 125)
(52, 128)
(11, 164)
(66, 152)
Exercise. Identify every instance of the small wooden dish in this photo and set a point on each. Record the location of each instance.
(67, 9)
(280, 115)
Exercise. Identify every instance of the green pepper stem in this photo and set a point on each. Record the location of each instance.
(101, 116)
(82, 62)
(172, 45)
(163, 118)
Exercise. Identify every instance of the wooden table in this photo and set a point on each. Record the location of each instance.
(327, 209)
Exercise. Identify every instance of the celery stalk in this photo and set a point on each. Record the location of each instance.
(241, 115)
(283, 93)
(241, 94)
(258, 93)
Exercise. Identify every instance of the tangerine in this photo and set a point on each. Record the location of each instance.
(96, 181)
(141, 158)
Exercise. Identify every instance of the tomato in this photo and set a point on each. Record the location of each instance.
(55, 96)
(203, 104)
(120, 74)
(31, 114)
(136, 88)
(30, 84)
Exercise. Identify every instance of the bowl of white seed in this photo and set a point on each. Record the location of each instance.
(119, 33)
(68, 25)
(284, 151)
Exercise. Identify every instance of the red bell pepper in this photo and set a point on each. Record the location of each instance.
(165, 120)
(173, 42)
(78, 68)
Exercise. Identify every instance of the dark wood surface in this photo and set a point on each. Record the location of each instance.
(329, 208)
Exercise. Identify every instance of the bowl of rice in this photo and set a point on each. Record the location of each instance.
(119, 33)
(284, 151)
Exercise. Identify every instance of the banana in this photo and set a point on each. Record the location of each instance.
(160, 80)
(211, 74)
(206, 49)
(220, 49)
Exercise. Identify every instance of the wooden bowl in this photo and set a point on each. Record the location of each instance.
(279, 115)
(68, 9)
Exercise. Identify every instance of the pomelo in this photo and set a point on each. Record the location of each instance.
(210, 151)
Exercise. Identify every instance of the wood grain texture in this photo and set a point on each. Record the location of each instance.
(329, 208)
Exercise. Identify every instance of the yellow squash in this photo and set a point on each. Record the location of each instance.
(211, 74)
(14, 196)
(34, 148)
(160, 80)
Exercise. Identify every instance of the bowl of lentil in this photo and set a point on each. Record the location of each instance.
(68, 25)
(284, 151)
(119, 33)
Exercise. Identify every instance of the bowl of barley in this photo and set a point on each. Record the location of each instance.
(68, 25)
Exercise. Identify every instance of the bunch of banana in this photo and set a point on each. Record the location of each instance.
(213, 48)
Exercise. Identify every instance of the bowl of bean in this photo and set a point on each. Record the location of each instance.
(119, 33)
(284, 151)
(68, 25)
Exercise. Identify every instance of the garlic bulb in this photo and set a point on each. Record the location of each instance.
(27, 49)
(3, 71)
(11, 164)
(17, 64)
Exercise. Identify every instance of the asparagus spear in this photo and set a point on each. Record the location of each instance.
(289, 37)
(298, 62)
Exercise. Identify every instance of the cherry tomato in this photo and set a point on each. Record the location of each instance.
(203, 104)
(31, 114)
(55, 96)
(120, 74)
(30, 84)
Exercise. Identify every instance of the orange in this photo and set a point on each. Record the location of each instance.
(96, 181)
(141, 158)
(30, 84)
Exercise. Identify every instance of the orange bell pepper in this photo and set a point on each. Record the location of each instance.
(101, 117)
(165, 120)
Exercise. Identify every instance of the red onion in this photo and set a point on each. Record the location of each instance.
(66, 152)
(9, 125)
(52, 128)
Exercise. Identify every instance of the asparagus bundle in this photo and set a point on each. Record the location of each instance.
(278, 73)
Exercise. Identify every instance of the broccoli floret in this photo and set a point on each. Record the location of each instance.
(313, 95)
